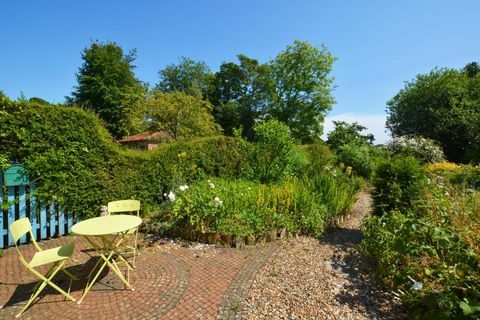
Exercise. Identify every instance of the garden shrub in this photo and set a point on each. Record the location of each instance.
(358, 157)
(426, 150)
(398, 183)
(319, 156)
(432, 258)
(272, 156)
(466, 175)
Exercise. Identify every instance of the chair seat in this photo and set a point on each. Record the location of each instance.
(52, 255)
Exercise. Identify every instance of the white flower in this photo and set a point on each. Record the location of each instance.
(211, 184)
(171, 196)
(218, 202)
(417, 286)
(165, 195)
(183, 188)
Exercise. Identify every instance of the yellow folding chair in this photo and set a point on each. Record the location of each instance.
(57, 256)
(127, 206)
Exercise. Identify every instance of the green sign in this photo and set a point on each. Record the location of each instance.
(16, 175)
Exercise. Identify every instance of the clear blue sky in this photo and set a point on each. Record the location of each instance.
(380, 44)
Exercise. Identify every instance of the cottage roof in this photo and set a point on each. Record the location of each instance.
(147, 136)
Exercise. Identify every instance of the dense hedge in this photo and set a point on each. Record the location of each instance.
(73, 159)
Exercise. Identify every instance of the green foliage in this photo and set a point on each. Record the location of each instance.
(348, 133)
(443, 105)
(425, 150)
(245, 208)
(303, 89)
(107, 85)
(72, 158)
(64, 149)
(242, 94)
(188, 76)
(438, 248)
(181, 115)
(358, 157)
(398, 183)
(272, 156)
(319, 157)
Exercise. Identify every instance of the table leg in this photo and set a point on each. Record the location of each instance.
(107, 260)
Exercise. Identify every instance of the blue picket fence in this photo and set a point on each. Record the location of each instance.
(17, 200)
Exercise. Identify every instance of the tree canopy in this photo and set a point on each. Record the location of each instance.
(346, 133)
(242, 94)
(181, 115)
(188, 76)
(301, 74)
(443, 105)
(107, 84)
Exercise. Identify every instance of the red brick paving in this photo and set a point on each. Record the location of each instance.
(170, 281)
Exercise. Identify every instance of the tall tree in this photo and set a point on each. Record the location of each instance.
(181, 115)
(188, 76)
(107, 84)
(241, 94)
(346, 133)
(443, 105)
(304, 89)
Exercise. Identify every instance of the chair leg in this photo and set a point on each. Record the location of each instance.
(135, 248)
(46, 281)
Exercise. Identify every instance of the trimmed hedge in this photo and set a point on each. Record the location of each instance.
(74, 160)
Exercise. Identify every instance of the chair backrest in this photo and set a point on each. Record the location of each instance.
(19, 228)
(124, 206)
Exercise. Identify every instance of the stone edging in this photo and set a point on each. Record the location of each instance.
(234, 298)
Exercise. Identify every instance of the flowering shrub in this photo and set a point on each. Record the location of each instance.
(424, 149)
(466, 175)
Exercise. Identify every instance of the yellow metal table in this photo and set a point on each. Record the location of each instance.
(105, 235)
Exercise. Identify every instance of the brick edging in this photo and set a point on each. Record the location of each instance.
(234, 298)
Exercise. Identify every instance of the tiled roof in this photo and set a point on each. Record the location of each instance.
(147, 136)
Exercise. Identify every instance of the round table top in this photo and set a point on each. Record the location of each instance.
(106, 225)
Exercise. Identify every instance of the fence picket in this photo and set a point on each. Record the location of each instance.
(43, 221)
(11, 210)
(22, 207)
(34, 217)
(53, 219)
(2, 227)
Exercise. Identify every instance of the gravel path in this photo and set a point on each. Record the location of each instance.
(328, 279)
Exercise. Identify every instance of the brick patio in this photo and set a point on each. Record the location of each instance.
(171, 282)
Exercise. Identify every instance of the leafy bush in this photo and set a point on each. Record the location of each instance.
(426, 150)
(398, 183)
(319, 156)
(358, 157)
(432, 258)
(272, 156)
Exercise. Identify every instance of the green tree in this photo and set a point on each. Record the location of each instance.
(181, 115)
(443, 105)
(188, 76)
(107, 84)
(242, 94)
(303, 86)
(348, 133)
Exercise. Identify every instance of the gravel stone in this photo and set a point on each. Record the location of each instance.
(328, 279)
